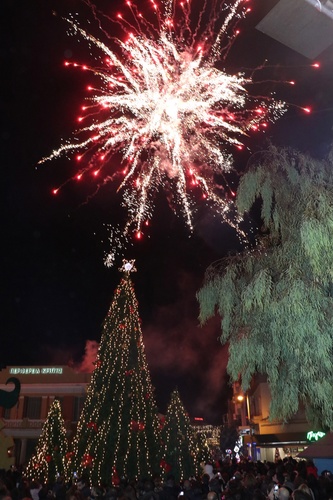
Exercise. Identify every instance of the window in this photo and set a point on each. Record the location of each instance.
(6, 413)
(78, 405)
(32, 407)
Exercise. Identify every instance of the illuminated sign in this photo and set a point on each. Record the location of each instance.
(314, 436)
(33, 370)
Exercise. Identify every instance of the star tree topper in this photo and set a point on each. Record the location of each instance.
(128, 266)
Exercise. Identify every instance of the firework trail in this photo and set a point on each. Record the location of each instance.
(164, 110)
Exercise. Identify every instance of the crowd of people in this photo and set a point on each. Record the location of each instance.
(227, 480)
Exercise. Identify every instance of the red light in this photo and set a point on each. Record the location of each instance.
(66, 63)
(84, 67)
(75, 65)
(307, 110)
(95, 173)
(204, 196)
(291, 82)
(119, 16)
(102, 157)
(80, 118)
(240, 146)
(198, 419)
(138, 235)
(89, 87)
(79, 177)
(237, 32)
(83, 108)
(259, 111)
(78, 157)
(147, 223)
(55, 191)
(232, 193)
(315, 65)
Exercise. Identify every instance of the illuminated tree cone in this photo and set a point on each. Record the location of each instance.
(179, 457)
(50, 457)
(118, 430)
(203, 453)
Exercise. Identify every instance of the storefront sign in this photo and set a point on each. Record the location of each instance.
(33, 370)
(314, 436)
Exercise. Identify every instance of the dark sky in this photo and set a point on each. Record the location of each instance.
(55, 289)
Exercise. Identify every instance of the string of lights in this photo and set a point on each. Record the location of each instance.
(118, 430)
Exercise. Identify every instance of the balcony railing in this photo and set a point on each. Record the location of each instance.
(24, 423)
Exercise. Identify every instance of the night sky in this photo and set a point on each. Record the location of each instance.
(55, 288)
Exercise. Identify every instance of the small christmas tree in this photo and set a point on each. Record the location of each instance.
(118, 430)
(203, 453)
(50, 457)
(179, 442)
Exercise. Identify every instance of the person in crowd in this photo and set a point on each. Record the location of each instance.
(305, 487)
(148, 491)
(35, 488)
(311, 469)
(283, 493)
(4, 493)
(59, 489)
(84, 488)
(300, 495)
(170, 490)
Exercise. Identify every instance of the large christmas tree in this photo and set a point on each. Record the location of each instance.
(118, 430)
(179, 457)
(50, 457)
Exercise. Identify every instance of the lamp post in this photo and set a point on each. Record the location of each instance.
(240, 398)
(243, 399)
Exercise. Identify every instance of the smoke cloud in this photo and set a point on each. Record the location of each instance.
(182, 354)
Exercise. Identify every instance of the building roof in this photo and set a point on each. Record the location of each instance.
(303, 25)
(323, 448)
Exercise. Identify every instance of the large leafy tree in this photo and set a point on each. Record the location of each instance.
(276, 300)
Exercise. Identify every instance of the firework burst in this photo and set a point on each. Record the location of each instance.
(164, 110)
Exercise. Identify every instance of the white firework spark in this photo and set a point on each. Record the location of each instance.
(166, 109)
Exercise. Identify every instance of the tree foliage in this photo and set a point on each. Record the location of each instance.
(275, 300)
(229, 437)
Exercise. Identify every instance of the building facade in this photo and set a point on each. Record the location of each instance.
(266, 439)
(40, 385)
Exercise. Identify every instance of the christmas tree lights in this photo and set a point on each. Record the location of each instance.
(118, 430)
(180, 451)
(51, 455)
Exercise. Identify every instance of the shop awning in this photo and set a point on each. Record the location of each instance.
(323, 448)
(278, 440)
